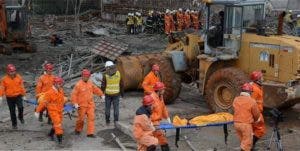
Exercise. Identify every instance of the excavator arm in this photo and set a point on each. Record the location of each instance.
(3, 21)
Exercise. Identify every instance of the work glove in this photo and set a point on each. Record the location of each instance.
(1, 100)
(24, 98)
(76, 106)
(36, 114)
(169, 120)
(103, 97)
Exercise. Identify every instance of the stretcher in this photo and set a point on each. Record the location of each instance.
(169, 126)
(68, 108)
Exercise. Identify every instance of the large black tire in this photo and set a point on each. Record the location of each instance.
(168, 77)
(222, 87)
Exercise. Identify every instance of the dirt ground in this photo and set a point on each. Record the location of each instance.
(33, 134)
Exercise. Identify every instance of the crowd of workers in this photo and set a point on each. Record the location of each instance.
(292, 21)
(163, 22)
(248, 107)
(50, 97)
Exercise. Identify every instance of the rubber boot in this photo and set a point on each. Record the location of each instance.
(51, 134)
(151, 148)
(255, 139)
(165, 147)
(49, 121)
(41, 117)
(21, 109)
(59, 138)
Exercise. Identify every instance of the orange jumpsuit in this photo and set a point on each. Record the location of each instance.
(143, 132)
(180, 21)
(44, 83)
(82, 94)
(168, 23)
(259, 128)
(149, 82)
(245, 113)
(159, 112)
(195, 20)
(54, 102)
(172, 23)
(187, 20)
(13, 87)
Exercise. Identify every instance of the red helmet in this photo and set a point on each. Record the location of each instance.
(11, 68)
(148, 100)
(247, 87)
(256, 75)
(155, 67)
(85, 73)
(159, 86)
(58, 80)
(48, 67)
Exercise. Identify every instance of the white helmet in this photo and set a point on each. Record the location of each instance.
(192, 11)
(108, 64)
(167, 11)
(298, 15)
(187, 10)
(129, 14)
(180, 9)
(137, 13)
(290, 11)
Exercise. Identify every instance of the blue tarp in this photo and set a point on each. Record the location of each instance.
(67, 107)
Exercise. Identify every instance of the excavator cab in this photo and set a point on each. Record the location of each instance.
(225, 24)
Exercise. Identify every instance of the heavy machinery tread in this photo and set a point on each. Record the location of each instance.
(232, 77)
(169, 77)
(288, 104)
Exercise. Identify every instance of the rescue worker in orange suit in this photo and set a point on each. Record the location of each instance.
(44, 83)
(168, 22)
(82, 98)
(143, 128)
(151, 78)
(54, 101)
(180, 20)
(187, 19)
(13, 88)
(259, 129)
(246, 113)
(173, 18)
(159, 112)
(195, 19)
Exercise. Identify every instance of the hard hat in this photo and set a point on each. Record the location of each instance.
(180, 9)
(85, 73)
(129, 14)
(155, 67)
(136, 13)
(290, 11)
(192, 11)
(298, 15)
(256, 75)
(247, 87)
(167, 11)
(58, 80)
(11, 68)
(48, 67)
(148, 100)
(108, 64)
(187, 10)
(159, 86)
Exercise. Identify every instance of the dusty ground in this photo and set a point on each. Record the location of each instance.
(33, 134)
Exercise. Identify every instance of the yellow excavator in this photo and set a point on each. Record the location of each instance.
(222, 58)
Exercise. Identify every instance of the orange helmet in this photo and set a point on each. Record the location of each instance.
(247, 87)
(155, 67)
(85, 73)
(11, 68)
(48, 67)
(159, 86)
(256, 75)
(58, 80)
(148, 100)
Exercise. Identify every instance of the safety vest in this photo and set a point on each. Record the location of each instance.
(139, 20)
(130, 21)
(113, 83)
